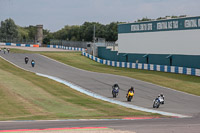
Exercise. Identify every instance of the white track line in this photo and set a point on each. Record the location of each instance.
(89, 93)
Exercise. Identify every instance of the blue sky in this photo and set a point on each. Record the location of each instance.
(55, 14)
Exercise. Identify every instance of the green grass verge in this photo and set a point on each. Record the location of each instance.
(185, 83)
(17, 50)
(26, 96)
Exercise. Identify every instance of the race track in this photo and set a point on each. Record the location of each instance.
(172, 125)
(176, 102)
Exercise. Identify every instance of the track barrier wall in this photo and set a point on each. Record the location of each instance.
(66, 48)
(19, 45)
(189, 61)
(151, 67)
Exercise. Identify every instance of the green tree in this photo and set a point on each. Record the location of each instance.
(8, 29)
(144, 19)
(85, 32)
(111, 32)
(47, 38)
(23, 33)
(31, 32)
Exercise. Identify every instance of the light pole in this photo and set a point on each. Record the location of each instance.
(93, 39)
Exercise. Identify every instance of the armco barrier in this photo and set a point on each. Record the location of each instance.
(19, 45)
(65, 47)
(48, 46)
(152, 67)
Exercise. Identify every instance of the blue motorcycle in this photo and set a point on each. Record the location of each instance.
(115, 91)
(156, 103)
(33, 63)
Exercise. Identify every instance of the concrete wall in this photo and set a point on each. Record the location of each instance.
(191, 61)
(151, 67)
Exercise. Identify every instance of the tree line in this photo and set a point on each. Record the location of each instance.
(84, 32)
(9, 30)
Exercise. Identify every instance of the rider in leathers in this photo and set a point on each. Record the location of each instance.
(131, 89)
(26, 59)
(161, 98)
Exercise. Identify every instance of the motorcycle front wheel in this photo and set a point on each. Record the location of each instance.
(129, 99)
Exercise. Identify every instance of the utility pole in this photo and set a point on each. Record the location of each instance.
(93, 39)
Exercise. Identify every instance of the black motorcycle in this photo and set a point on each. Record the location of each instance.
(26, 60)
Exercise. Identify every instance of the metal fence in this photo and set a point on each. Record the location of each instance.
(114, 44)
(80, 44)
(17, 40)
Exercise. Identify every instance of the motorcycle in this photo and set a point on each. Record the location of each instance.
(130, 96)
(115, 91)
(26, 60)
(33, 63)
(156, 103)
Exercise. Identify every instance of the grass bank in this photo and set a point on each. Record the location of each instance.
(185, 83)
(26, 96)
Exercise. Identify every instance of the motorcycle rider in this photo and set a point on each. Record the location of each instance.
(131, 89)
(33, 63)
(8, 50)
(115, 90)
(115, 86)
(161, 98)
(26, 59)
(4, 50)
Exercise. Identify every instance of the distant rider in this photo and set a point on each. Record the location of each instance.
(131, 89)
(115, 86)
(161, 98)
(33, 63)
(4, 50)
(26, 59)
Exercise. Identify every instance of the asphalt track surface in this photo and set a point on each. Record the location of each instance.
(165, 125)
(176, 102)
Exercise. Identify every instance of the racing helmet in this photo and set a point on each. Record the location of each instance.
(132, 88)
(116, 85)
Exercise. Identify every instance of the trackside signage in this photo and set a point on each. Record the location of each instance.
(162, 25)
